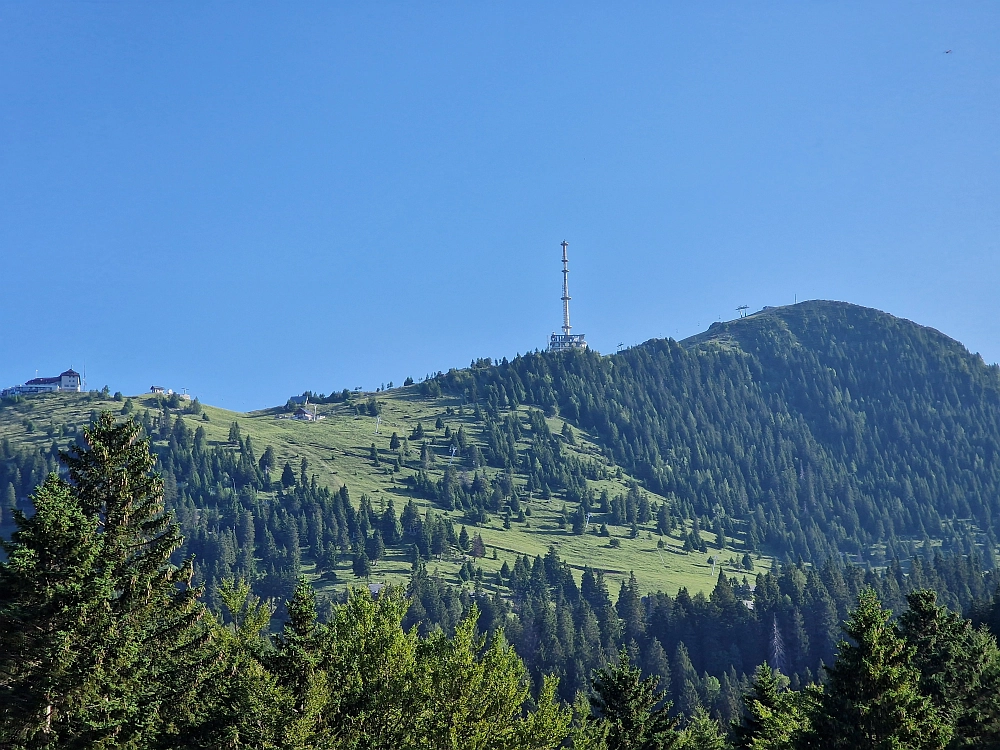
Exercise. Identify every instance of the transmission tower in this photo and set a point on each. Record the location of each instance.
(566, 340)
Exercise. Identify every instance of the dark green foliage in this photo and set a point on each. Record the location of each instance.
(959, 669)
(821, 428)
(820, 431)
(287, 476)
(362, 566)
(478, 548)
(267, 460)
(298, 645)
(101, 638)
(872, 697)
(375, 547)
(637, 714)
(774, 717)
(391, 528)
(115, 644)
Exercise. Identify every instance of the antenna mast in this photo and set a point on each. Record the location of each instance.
(566, 340)
(565, 298)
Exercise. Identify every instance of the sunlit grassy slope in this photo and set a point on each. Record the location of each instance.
(338, 449)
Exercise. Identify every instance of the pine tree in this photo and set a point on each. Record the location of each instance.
(655, 662)
(133, 652)
(362, 566)
(472, 695)
(287, 476)
(246, 706)
(375, 547)
(478, 547)
(464, 542)
(49, 585)
(630, 609)
(959, 669)
(392, 529)
(154, 653)
(662, 520)
(636, 713)
(872, 698)
(267, 459)
(298, 647)
(703, 733)
(773, 717)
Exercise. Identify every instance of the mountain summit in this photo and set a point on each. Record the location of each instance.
(811, 430)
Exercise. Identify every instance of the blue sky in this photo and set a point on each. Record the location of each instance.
(249, 200)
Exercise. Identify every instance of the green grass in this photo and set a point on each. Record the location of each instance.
(338, 451)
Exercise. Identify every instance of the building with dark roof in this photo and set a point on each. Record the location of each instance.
(66, 382)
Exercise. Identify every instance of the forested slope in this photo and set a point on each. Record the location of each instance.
(822, 431)
(812, 430)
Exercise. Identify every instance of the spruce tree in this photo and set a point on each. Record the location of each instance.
(392, 529)
(959, 669)
(464, 542)
(299, 644)
(774, 718)
(362, 566)
(872, 698)
(49, 589)
(287, 476)
(129, 658)
(153, 648)
(636, 713)
(703, 733)
(375, 547)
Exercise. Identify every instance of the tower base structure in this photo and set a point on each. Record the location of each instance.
(560, 342)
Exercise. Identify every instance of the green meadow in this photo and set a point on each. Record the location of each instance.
(338, 450)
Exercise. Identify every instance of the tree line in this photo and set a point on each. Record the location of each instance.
(822, 429)
(106, 643)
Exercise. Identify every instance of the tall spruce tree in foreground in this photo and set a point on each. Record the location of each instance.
(872, 699)
(112, 646)
(959, 669)
(637, 715)
(50, 595)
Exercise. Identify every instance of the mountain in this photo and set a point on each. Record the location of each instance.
(816, 431)
(223, 479)
(811, 430)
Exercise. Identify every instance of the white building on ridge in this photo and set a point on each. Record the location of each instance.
(67, 382)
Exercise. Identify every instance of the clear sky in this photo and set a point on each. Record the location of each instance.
(250, 200)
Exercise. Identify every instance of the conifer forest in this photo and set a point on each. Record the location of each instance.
(162, 590)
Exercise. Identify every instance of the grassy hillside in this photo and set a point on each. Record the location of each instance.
(820, 430)
(338, 450)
